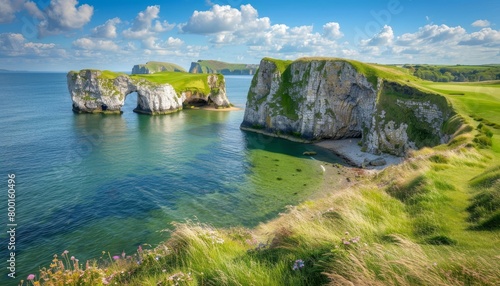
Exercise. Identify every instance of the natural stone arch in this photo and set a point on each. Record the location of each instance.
(94, 91)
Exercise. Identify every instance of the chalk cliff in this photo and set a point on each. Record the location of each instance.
(325, 98)
(95, 91)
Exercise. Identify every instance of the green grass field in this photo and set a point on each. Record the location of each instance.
(158, 66)
(180, 81)
(433, 220)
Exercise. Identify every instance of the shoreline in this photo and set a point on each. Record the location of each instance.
(349, 150)
(208, 108)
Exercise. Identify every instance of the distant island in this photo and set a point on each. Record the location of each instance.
(154, 67)
(211, 66)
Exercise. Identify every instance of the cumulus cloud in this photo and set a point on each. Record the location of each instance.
(486, 36)
(106, 30)
(95, 44)
(432, 34)
(14, 45)
(64, 15)
(222, 20)
(383, 38)
(332, 31)
(9, 8)
(153, 43)
(227, 25)
(481, 23)
(146, 24)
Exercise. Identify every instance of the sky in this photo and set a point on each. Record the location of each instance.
(62, 35)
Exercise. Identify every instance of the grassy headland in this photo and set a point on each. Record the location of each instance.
(181, 81)
(433, 220)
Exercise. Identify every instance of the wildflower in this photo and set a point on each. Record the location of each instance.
(31, 277)
(72, 258)
(139, 248)
(116, 257)
(157, 258)
(346, 233)
(123, 254)
(299, 263)
(65, 252)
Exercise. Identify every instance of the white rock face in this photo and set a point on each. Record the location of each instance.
(329, 99)
(93, 92)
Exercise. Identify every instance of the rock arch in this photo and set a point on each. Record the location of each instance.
(94, 91)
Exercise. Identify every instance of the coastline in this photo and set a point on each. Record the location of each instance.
(287, 137)
(209, 108)
(350, 151)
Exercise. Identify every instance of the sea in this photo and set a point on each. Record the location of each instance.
(93, 184)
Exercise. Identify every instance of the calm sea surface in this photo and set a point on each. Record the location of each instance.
(93, 183)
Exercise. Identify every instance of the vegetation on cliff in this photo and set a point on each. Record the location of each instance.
(153, 67)
(458, 73)
(211, 66)
(181, 81)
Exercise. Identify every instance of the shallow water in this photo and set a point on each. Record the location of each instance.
(91, 183)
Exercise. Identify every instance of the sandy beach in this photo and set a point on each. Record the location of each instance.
(351, 151)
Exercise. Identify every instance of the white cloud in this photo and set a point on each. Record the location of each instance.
(106, 30)
(8, 9)
(432, 34)
(332, 31)
(33, 9)
(95, 45)
(225, 19)
(481, 23)
(486, 36)
(383, 38)
(64, 15)
(226, 25)
(146, 24)
(152, 43)
(15, 45)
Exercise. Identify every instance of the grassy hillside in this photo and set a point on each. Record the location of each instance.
(456, 73)
(433, 220)
(159, 67)
(180, 81)
(211, 66)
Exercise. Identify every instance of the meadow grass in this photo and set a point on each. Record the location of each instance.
(432, 220)
(180, 81)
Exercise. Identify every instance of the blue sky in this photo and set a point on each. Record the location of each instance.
(61, 35)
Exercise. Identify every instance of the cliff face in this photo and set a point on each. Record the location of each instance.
(94, 91)
(315, 99)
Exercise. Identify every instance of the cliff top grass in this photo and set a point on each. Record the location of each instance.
(155, 66)
(371, 71)
(180, 81)
(218, 65)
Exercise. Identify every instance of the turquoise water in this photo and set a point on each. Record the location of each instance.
(93, 183)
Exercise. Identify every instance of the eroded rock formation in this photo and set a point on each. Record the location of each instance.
(315, 99)
(94, 91)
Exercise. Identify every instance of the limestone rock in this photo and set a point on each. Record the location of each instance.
(378, 162)
(330, 99)
(94, 91)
